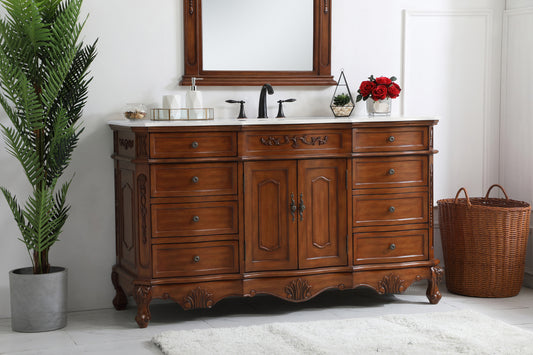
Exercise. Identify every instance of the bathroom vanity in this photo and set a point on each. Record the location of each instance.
(212, 209)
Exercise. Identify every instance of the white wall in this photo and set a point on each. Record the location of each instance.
(516, 169)
(446, 54)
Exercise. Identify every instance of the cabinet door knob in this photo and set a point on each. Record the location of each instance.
(196, 258)
(195, 179)
(392, 172)
(195, 144)
(392, 209)
(391, 139)
(196, 219)
(392, 246)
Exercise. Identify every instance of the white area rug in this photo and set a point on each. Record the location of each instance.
(460, 332)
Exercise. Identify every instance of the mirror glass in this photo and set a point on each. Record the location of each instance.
(257, 35)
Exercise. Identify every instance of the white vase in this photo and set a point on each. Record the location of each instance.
(379, 107)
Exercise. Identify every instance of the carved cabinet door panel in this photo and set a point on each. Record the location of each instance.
(322, 220)
(270, 230)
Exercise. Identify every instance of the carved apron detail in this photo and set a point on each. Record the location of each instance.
(391, 284)
(294, 141)
(298, 290)
(198, 298)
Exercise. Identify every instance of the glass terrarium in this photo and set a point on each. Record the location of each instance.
(342, 103)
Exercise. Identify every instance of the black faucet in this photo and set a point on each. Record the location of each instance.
(263, 100)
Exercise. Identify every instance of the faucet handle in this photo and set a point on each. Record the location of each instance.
(242, 114)
(280, 108)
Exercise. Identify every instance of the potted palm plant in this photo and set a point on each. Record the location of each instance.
(43, 88)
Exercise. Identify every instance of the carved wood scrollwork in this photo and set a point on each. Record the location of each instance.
(141, 183)
(298, 290)
(126, 143)
(198, 298)
(141, 146)
(294, 141)
(191, 7)
(326, 6)
(391, 284)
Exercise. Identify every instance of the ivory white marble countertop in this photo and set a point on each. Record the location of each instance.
(265, 121)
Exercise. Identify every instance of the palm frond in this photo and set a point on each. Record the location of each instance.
(44, 82)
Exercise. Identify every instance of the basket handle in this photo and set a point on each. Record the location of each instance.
(466, 194)
(501, 188)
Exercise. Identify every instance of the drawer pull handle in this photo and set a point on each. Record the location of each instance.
(195, 179)
(391, 139)
(196, 219)
(392, 246)
(392, 209)
(196, 258)
(195, 144)
(392, 172)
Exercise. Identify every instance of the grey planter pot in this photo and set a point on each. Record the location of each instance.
(38, 302)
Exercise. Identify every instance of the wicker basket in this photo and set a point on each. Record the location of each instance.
(484, 243)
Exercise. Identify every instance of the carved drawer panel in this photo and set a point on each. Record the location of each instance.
(390, 172)
(185, 145)
(387, 247)
(390, 209)
(170, 180)
(390, 139)
(193, 219)
(294, 142)
(191, 259)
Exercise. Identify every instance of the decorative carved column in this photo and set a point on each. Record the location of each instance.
(143, 296)
(433, 294)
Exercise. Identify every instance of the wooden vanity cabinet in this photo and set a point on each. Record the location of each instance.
(208, 212)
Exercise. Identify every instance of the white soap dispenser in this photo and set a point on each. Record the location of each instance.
(193, 101)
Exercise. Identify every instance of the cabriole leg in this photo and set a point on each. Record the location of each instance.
(433, 294)
(143, 297)
(121, 300)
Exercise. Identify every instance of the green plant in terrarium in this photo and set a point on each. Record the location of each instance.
(341, 100)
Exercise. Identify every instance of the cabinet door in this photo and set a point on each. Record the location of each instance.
(270, 231)
(322, 227)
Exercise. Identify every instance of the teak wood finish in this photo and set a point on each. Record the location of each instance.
(204, 213)
(320, 75)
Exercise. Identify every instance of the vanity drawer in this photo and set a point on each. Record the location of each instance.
(390, 139)
(194, 219)
(294, 142)
(191, 259)
(189, 145)
(387, 247)
(175, 180)
(390, 172)
(389, 209)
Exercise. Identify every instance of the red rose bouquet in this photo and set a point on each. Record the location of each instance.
(378, 88)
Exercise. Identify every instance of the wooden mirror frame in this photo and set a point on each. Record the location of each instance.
(193, 55)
